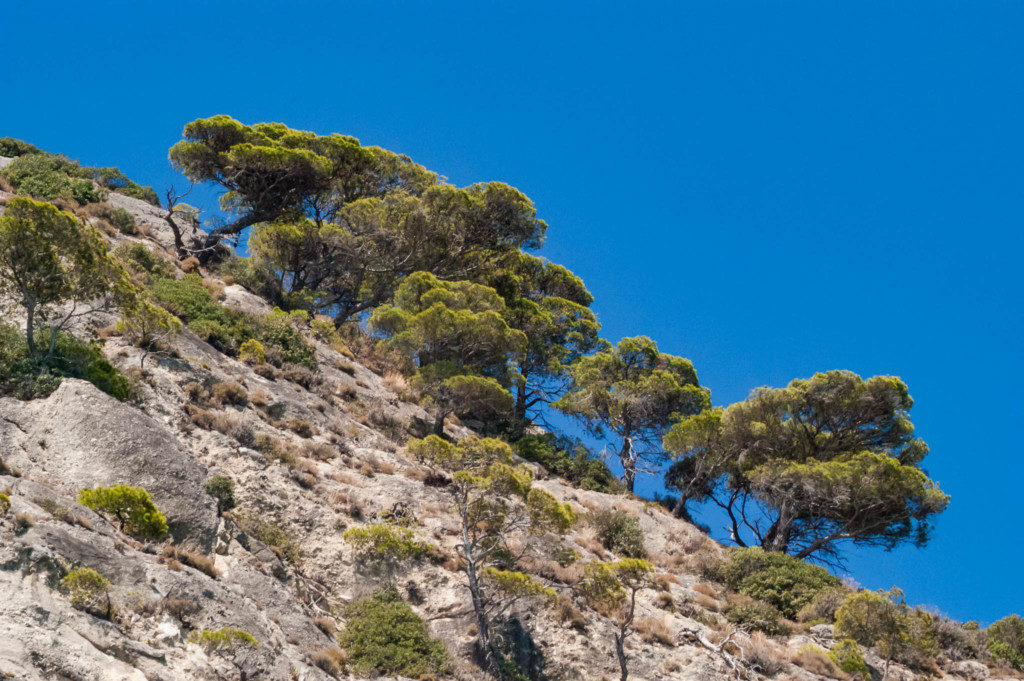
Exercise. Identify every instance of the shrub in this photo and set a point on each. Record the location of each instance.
(252, 352)
(274, 536)
(760, 654)
(823, 606)
(88, 590)
(12, 147)
(785, 582)
(48, 176)
(756, 616)
(222, 488)
(384, 542)
(26, 379)
(384, 636)
(133, 508)
(223, 640)
(1006, 640)
(846, 655)
(227, 329)
(5, 503)
(230, 393)
(619, 532)
(121, 219)
(569, 460)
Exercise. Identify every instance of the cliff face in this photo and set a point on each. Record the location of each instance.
(344, 429)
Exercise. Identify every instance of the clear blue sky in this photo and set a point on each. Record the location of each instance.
(769, 189)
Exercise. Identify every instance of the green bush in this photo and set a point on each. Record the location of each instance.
(756, 616)
(223, 641)
(132, 507)
(48, 176)
(5, 503)
(619, 532)
(226, 329)
(121, 219)
(28, 379)
(569, 460)
(87, 590)
(12, 147)
(785, 582)
(273, 535)
(823, 606)
(1006, 640)
(116, 181)
(221, 488)
(384, 636)
(846, 654)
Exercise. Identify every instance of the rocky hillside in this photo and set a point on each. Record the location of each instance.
(311, 453)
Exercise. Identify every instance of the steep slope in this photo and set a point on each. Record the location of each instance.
(311, 454)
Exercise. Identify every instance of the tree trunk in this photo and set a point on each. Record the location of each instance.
(30, 328)
(476, 593)
(208, 243)
(620, 653)
(628, 463)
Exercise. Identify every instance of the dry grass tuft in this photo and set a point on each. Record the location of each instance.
(655, 630)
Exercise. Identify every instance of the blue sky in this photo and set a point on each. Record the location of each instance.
(769, 189)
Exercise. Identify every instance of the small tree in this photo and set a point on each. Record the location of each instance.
(222, 489)
(611, 589)
(88, 590)
(132, 507)
(1006, 640)
(876, 619)
(148, 326)
(385, 545)
(634, 392)
(492, 500)
(54, 268)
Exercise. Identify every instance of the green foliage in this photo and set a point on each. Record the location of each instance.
(46, 176)
(354, 257)
(385, 544)
(569, 460)
(847, 656)
(832, 458)
(228, 329)
(221, 488)
(823, 606)
(517, 584)
(87, 589)
(278, 539)
(756, 616)
(634, 392)
(882, 619)
(49, 176)
(48, 258)
(1006, 640)
(619, 532)
(383, 636)
(5, 503)
(11, 147)
(132, 507)
(224, 641)
(271, 172)
(148, 326)
(547, 513)
(786, 583)
(253, 352)
(606, 585)
(27, 378)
